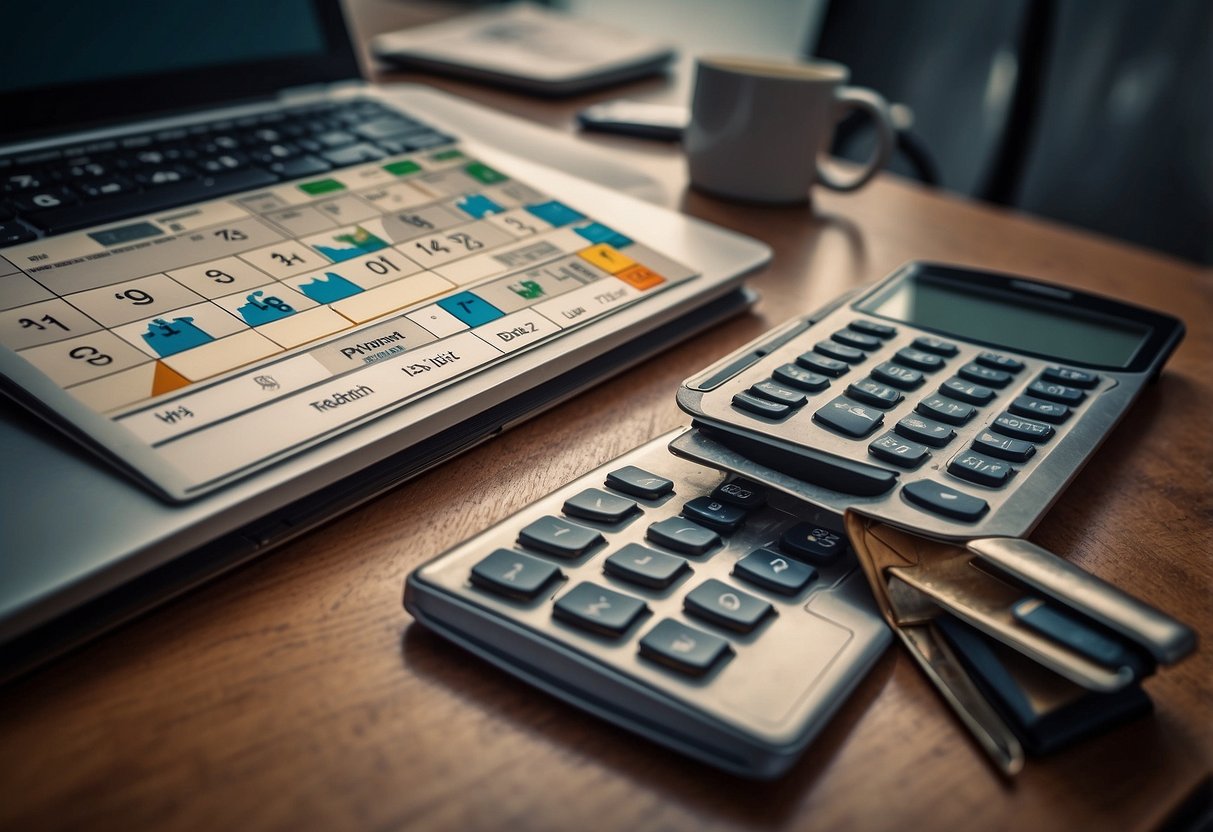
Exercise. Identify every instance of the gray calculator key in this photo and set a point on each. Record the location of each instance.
(773, 571)
(1070, 376)
(945, 410)
(599, 609)
(715, 514)
(984, 375)
(639, 483)
(761, 407)
(1055, 392)
(513, 574)
(980, 469)
(721, 604)
(683, 648)
(941, 499)
(848, 417)
(601, 506)
(645, 566)
(858, 340)
(918, 359)
(682, 535)
(997, 361)
(870, 391)
(872, 328)
(926, 431)
(773, 392)
(893, 448)
(559, 537)
(967, 391)
(839, 352)
(936, 345)
(1003, 447)
(811, 542)
(831, 367)
(1018, 427)
(1039, 409)
(739, 492)
(800, 378)
(896, 375)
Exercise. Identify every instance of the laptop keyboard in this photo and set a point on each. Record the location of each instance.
(76, 186)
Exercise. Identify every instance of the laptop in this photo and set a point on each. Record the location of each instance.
(241, 291)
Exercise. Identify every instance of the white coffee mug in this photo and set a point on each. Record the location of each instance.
(757, 127)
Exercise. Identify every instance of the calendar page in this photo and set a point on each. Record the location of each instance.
(221, 336)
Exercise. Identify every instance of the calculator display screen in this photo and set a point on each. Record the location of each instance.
(1005, 319)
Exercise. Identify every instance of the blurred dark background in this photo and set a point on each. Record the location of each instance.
(1098, 113)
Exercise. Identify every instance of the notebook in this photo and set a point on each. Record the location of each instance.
(241, 290)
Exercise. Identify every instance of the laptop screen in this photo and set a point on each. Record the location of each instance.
(73, 64)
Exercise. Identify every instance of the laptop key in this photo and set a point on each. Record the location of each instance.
(14, 232)
(71, 217)
(354, 154)
(300, 166)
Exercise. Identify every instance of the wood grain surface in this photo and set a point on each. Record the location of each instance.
(296, 694)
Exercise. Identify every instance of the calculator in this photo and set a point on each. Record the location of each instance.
(953, 402)
(715, 616)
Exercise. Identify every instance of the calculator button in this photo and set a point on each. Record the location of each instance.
(925, 431)
(892, 448)
(856, 339)
(645, 566)
(808, 541)
(941, 499)
(715, 514)
(1003, 447)
(761, 407)
(1017, 427)
(800, 378)
(872, 328)
(848, 417)
(639, 483)
(839, 352)
(967, 391)
(683, 648)
(935, 345)
(1056, 392)
(772, 392)
(900, 377)
(599, 609)
(599, 505)
(771, 570)
(740, 492)
(979, 469)
(1037, 409)
(820, 364)
(719, 603)
(946, 410)
(995, 361)
(559, 537)
(918, 359)
(984, 375)
(513, 574)
(874, 393)
(682, 535)
(1072, 377)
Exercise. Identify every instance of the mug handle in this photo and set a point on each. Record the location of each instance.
(858, 98)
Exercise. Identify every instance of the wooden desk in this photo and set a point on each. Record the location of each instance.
(295, 694)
